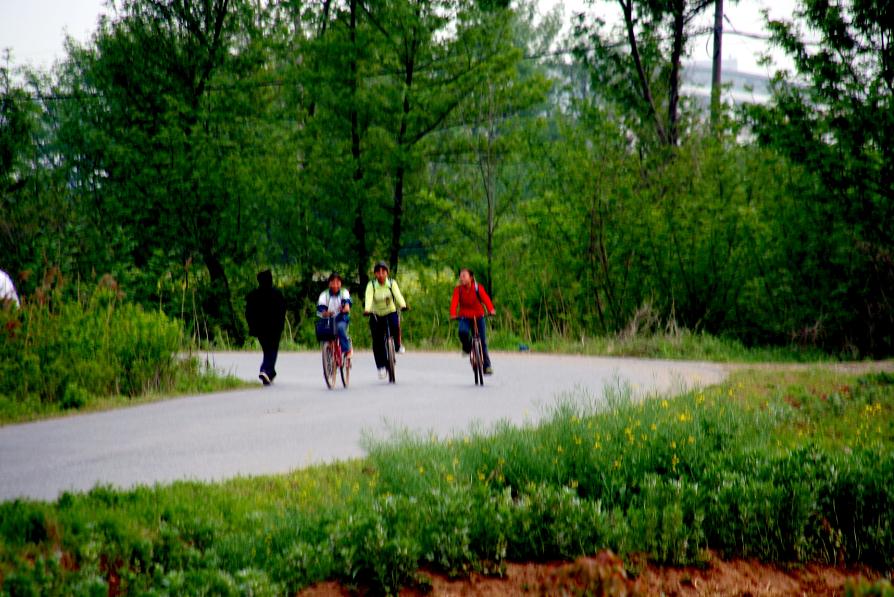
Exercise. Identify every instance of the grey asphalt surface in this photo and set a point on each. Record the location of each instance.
(297, 421)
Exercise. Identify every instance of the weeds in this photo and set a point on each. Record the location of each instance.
(59, 355)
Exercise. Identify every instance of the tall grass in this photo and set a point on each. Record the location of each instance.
(745, 469)
(428, 326)
(60, 353)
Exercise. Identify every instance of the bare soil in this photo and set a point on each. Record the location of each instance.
(604, 575)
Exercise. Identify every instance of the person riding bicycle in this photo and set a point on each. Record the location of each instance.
(469, 302)
(336, 302)
(383, 299)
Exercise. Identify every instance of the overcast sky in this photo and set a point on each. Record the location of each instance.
(35, 29)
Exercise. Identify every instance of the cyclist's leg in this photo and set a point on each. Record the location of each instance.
(393, 320)
(341, 327)
(465, 333)
(482, 333)
(377, 333)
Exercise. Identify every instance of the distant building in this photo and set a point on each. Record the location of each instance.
(738, 87)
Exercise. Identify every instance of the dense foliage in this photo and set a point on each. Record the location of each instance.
(59, 355)
(760, 467)
(189, 144)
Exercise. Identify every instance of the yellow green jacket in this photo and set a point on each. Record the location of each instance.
(383, 299)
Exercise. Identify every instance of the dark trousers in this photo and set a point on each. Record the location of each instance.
(270, 346)
(341, 329)
(465, 336)
(377, 331)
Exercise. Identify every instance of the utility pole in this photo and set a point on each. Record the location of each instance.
(716, 68)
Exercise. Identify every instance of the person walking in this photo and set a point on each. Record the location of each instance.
(383, 299)
(470, 302)
(265, 311)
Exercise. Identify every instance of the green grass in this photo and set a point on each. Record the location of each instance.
(189, 376)
(786, 466)
(684, 345)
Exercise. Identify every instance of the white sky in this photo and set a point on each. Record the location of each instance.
(35, 29)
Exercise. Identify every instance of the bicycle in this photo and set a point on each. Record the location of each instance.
(334, 358)
(476, 354)
(389, 348)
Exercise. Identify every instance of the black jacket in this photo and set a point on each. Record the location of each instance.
(265, 309)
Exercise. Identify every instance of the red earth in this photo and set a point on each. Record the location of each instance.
(604, 574)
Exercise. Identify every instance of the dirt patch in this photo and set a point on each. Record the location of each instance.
(604, 575)
(749, 577)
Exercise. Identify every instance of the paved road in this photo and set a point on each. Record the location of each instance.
(297, 422)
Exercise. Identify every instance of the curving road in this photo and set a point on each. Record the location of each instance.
(297, 421)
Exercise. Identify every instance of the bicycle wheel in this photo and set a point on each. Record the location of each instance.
(474, 365)
(345, 371)
(328, 365)
(389, 350)
(478, 363)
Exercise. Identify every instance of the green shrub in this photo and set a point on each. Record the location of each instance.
(61, 355)
(864, 588)
(57, 353)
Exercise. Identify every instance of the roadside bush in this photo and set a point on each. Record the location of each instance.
(61, 354)
(57, 352)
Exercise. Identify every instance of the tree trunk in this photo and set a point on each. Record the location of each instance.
(219, 304)
(357, 178)
(399, 175)
(397, 220)
(716, 68)
(645, 88)
(673, 100)
(312, 108)
(491, 218)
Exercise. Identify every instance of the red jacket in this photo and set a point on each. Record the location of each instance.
(466, 300)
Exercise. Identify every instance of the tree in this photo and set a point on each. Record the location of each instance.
(158, 126)
(836, 120)
(486, 145)
(655, 34)
(435, 55)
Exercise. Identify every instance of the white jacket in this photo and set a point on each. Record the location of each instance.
(7, 289)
